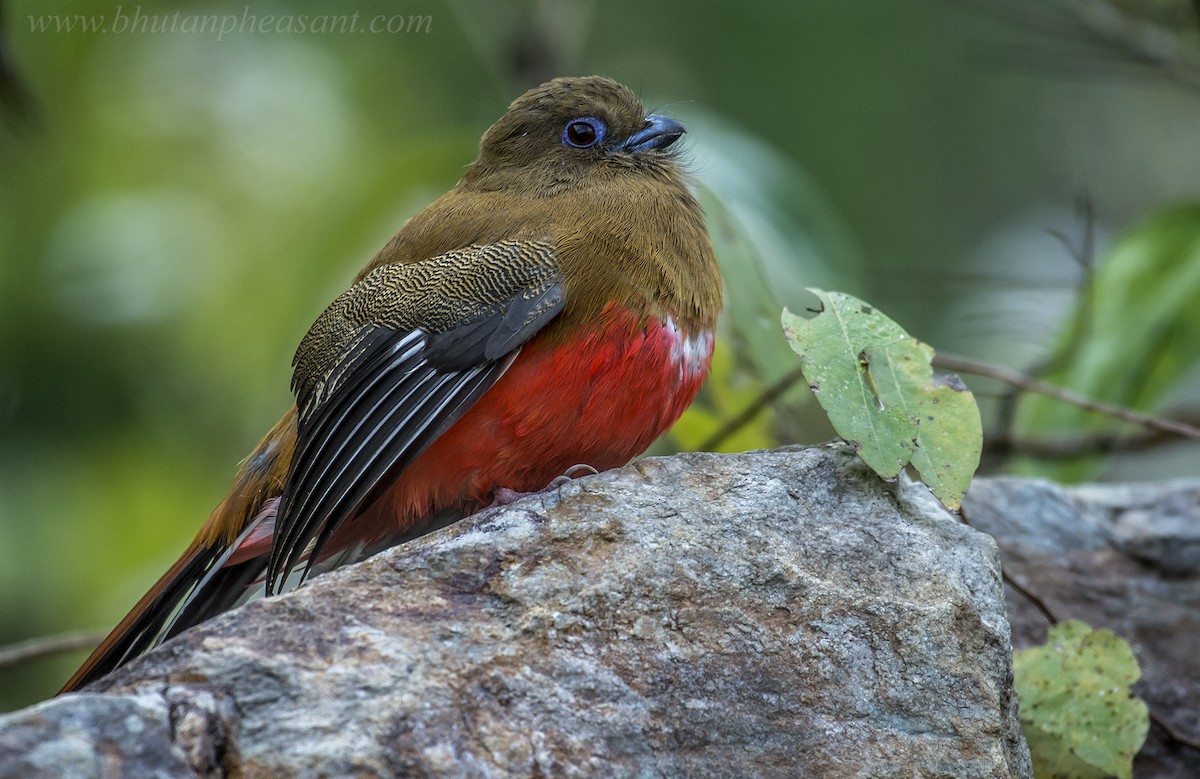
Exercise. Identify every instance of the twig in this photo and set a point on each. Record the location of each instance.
(1067, 448)
(1021, 381)
(1164, 427)
(1085, 258)
(1037, 602)
(1172, 733)
(1085, 255)
(1011, 582)
(769, 396)
(1090, 36)
(1139, 42)
(15, 654)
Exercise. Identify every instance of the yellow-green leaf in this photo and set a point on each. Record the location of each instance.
(1077, 710)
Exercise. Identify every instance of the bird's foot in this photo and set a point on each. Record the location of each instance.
(504, 495)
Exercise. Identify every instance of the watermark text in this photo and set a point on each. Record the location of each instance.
(132, 20)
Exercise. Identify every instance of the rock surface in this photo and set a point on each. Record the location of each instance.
(165, 732)
(769, 614)
(1122, 557)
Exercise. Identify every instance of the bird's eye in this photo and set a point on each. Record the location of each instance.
(582, 133)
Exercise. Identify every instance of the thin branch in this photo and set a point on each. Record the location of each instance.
(1096, 38)
(1172, 733)
(1026, 593)
(15, 654)
(1070, 447)
(1038, 603)
(1085, 258)
(1138, 41)
(747, 415)
(1021, 381)
(1163, 428)
(1085, 254)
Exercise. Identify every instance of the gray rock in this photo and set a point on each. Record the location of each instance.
(155, 734)
(769, 614)
(1121, 557)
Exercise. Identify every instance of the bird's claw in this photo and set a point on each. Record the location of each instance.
(505, 496)
(574, 472)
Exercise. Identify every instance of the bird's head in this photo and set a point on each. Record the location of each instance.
(571, 128)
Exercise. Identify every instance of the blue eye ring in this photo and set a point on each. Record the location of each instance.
(584, 132)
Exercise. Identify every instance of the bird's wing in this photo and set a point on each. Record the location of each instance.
(392, 364)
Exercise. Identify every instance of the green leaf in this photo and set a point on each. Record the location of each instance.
(829, 346)
(1133, 336)
(877, 386)
(1077, 710)
(949, 432)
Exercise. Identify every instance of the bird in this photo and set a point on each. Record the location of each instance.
(556, 308)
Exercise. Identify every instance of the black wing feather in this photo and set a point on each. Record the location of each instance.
(491, 338)
(532, 311)
(332, 427)
(368, 429)
(387, 436)
(443, 405)
(394, 392)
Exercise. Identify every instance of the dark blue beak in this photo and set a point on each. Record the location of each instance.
(659, 133)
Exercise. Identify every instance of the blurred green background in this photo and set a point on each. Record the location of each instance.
(176, 208)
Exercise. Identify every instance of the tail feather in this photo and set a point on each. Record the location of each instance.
(139, 631)
(216, 571)
(200, 585)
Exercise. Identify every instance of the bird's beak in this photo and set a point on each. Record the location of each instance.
(659, 133)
